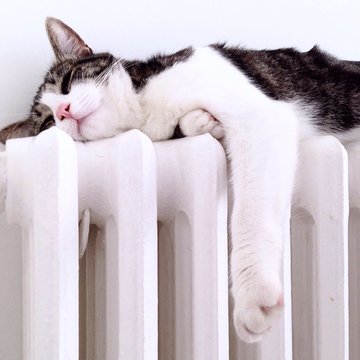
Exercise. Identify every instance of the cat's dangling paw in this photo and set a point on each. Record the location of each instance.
(198, 122)
(255, 307)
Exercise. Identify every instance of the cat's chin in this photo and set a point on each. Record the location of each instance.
(76, 136)
(89, 132)
(98, 124)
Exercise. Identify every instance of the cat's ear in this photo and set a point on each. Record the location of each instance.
(18, 130)
(64, 40)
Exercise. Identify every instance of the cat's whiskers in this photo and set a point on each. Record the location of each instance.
(83, 100)
(103, 78)
(104, 74)
(86, 102)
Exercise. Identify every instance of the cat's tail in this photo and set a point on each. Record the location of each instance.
(19, 129)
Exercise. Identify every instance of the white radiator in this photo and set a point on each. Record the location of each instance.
(153, 281)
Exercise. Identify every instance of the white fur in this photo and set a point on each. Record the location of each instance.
(261, 137)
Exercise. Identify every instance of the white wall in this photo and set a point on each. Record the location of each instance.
(136, 29)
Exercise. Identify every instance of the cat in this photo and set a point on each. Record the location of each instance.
(260, 103)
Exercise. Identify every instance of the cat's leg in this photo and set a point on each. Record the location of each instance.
(199, 122)
(263, 152)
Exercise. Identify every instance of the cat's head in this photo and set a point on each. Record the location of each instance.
(85, 94)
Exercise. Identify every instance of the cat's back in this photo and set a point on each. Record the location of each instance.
(287, 73)
(327, 88)
(324, 88)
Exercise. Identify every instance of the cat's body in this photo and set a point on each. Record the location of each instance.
(266, 101)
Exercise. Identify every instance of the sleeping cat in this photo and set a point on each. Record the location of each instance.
(261, 103)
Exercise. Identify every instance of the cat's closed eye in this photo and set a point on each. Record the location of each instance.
(66, 83)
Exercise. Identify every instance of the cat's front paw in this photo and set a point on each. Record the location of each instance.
(198, 122)
(255, 307)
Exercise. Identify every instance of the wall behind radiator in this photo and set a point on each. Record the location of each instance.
(136, 29)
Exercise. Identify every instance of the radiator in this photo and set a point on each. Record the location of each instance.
(152, 279)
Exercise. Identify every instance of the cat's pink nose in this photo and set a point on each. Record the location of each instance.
(63, 111)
